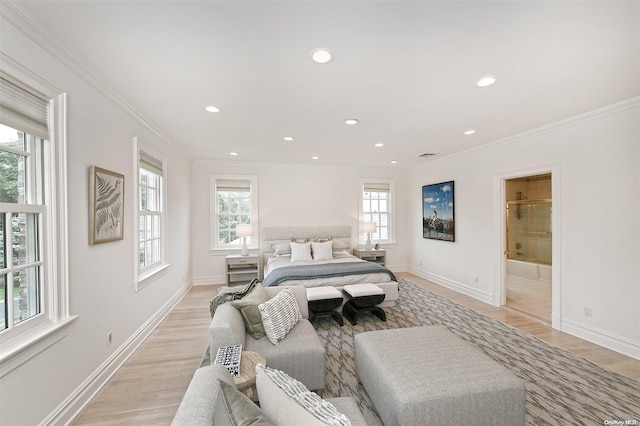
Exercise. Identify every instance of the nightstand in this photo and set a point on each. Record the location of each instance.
(375, 256)
(241, 269)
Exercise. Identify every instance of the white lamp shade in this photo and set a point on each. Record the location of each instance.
(369, 227)
(244, 230)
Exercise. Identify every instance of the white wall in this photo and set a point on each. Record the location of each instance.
(597, 157)
(292, 195)
(101, 276)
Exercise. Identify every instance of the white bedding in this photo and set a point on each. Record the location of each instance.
(274, 263)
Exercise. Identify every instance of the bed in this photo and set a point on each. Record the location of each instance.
(331, 264)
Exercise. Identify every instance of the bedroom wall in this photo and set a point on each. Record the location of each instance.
(291, 195)
(101, 276)
(597, 158)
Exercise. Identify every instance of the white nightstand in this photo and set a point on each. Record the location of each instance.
(375, 256)
(241, 269)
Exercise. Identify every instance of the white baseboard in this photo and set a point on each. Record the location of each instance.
(73, 405)
(210, 280)
(602, 338)
(453, 285)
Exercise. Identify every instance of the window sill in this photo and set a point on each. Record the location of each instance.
(147, 277)
(28, 345)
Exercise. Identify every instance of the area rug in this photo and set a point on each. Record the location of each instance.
(562, 388)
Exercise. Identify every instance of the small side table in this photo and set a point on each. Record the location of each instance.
(241, 269)
(372, 255)
(246, 381)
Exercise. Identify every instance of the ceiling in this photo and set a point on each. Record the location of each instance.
(405, 70)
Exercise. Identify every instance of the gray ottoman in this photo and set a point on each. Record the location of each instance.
(427, 375)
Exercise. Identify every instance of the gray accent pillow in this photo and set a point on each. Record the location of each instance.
(233, 408)
(248, 307)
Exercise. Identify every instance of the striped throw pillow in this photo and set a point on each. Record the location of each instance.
(322, 251)
(287, 401)
(280, 315)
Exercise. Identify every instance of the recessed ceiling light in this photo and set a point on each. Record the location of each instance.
(393, 161)
(315, 158)
(378, 145)
(469, 132)
(486, 81)
(288, 138)
(212, 108)
(351, 121)
(321, 55)
(233, 153)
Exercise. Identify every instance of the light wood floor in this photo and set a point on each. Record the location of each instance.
(148, 388)
(530, 297)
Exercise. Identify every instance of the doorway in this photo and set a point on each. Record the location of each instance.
(528, 242)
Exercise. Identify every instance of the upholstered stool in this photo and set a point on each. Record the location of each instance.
(363, 298)
(429, 376)
(323, 301)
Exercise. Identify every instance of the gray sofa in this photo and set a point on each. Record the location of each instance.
(301, 354)
(198, 404)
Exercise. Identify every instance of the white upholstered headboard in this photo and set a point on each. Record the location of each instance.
(284, 234)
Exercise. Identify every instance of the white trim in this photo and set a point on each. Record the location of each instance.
(391, 210)
(602, 338)
(73, 405)
(213, 213)
(500, 263)
(13, 12)
(453, 285)
(55, 246)
(146, 276)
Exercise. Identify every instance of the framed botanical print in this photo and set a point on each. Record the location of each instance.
(106, 209)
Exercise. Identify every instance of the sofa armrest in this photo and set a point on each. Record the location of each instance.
(199, 401)
(227, 328)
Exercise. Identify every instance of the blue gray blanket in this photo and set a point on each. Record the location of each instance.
(324, 270)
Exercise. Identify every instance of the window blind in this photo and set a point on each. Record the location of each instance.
(150, 163)
(377, 187)
(233, 185)
(22, 107)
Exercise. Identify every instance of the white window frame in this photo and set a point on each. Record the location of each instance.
(252, 242)
(390, 213)
(27, 339)
(145, 276)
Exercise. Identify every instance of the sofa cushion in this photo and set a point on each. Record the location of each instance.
(288, 402)
(233, 408)
(280, 315)
(251, 316)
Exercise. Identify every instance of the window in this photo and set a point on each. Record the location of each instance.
(33, 267)
(233, 202)
(377, 207)
(151, 242)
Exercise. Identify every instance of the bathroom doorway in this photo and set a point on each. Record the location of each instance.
(528, 245)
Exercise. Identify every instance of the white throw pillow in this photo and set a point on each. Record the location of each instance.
(322, 251)
(300, 251)
(280, 315)
(287, 402)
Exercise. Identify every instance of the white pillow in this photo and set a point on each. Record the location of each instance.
(280, 315)
(300, 251)
(287, 402)
(281, 249)
(322, 251)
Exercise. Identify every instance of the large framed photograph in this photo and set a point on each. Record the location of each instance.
(106, 209)
(438, 218)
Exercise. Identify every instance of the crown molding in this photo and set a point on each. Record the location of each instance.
(13, 12)
(615, 108)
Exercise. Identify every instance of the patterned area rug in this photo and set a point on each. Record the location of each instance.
(562, 388)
